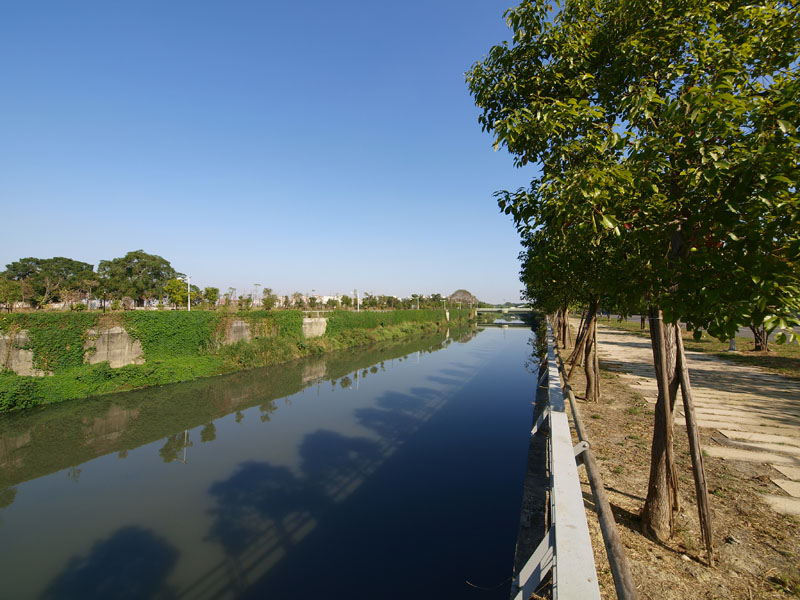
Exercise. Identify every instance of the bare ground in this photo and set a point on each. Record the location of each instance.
(757, 550)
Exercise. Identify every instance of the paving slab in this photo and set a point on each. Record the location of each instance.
(755, 456)
(719, 424)
(753, 436)
(777, 448)
(790, 472)
(743, 420)
(783, 504)
(758, 410)
(790, 487)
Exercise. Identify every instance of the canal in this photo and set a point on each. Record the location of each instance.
(390, 472)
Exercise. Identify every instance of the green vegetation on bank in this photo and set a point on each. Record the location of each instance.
(181, 346)
(341, 320)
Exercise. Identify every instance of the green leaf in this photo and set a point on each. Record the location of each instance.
(609, 222)
(785, 126)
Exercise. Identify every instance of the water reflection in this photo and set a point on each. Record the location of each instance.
(48, 439)
(132, 564)
(221, 499)
(262, 511)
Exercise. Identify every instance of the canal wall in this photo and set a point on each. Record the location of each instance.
(49, 357)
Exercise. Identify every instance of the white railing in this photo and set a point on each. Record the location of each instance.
(566, 548)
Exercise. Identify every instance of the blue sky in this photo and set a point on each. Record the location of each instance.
(305, 146)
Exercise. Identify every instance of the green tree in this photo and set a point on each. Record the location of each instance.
(139, 275)
(48, 277)
(245, 302)
(175, 289)
(666, 130)
(347, 301)
(211, 296)
(269, 299)
(10, 292)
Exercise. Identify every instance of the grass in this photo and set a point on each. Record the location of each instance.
(783, 359)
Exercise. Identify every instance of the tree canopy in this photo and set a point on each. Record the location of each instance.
(670, 126)
(664, 141)
(137, 274)
(49, 277)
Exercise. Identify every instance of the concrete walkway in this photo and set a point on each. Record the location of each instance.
(756, 413)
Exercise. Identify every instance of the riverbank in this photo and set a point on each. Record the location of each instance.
(60, 356)
(756, 548)
(47, 439)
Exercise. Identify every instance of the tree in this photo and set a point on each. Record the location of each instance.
(211, 295)
(9, 292)
(298, 301)
(347, 301)
(464, 297)
(175, 289)
(139, 275)
(48, 276)
(269, 299)
(196, 296)
(669, 125)
(87, 286)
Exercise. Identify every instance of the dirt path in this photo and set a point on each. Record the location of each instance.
(754, 415)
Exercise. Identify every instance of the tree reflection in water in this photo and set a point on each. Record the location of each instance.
(132, 564)
(262, 511)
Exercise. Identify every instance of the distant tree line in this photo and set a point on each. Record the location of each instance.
(139, 279)
(131, 280)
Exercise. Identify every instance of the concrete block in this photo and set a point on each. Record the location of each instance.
(14, 357)
(114, 345)
(237, 331)
(315, 327)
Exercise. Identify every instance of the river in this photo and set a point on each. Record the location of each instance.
(389, 472)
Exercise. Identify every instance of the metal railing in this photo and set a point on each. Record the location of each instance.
(567, 548)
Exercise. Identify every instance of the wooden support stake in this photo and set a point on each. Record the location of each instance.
(700, 485)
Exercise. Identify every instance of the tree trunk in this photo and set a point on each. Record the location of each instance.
(761, 339)
(596, 365)
(562, 325)
(642, 323)
(662, 488)
(589, 355)
(580, 343)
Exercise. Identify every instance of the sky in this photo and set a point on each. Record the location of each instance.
(309, 146)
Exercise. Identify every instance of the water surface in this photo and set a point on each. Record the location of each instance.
(392, 472)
